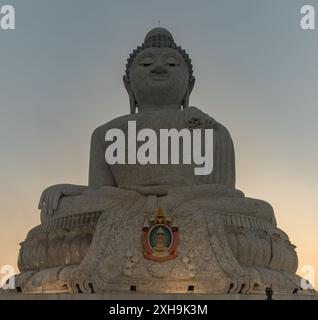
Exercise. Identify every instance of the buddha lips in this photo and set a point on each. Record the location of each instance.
(183, 146)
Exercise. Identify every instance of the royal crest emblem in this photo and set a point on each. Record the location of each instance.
(160, 237)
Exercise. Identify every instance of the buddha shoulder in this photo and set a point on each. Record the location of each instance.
(117, 123)
(191, 118)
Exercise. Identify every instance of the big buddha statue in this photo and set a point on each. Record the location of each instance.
(157, 227)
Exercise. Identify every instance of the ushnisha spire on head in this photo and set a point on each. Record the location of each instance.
(159, 38)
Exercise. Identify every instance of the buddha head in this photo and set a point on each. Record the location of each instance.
(158, 74)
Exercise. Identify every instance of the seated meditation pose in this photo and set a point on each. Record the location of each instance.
(157, 227)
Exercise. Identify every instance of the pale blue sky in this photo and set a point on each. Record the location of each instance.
(61, 77)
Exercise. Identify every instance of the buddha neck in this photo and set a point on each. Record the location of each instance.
(152, 107)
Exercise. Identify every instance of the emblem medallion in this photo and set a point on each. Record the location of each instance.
(160, 237)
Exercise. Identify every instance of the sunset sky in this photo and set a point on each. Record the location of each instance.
(256, 72)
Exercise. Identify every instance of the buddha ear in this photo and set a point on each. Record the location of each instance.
(185, 101)
(191, 84)
(132, 99)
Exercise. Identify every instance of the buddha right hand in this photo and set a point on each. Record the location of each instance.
(51, 196)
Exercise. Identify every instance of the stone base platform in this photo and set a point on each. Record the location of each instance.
(162, 296)
(216, 241)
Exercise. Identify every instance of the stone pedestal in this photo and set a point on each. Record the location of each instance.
(227, 244)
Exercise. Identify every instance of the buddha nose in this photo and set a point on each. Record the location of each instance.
(159, 70)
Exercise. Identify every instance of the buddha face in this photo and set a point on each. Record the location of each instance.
(159, 78)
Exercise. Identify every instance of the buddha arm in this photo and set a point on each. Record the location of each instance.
(99, 171)
(223, 158)
(223, 149)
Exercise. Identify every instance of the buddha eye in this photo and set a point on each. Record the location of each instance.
(172, 61)
(146, 61)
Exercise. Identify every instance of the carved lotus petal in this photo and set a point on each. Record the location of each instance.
(134, 259)
(129, 253)
(191, 254)
(192, 273)
(160, 271)
(127, 272)
(191, 266)
(129, 264)
(185, 259)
